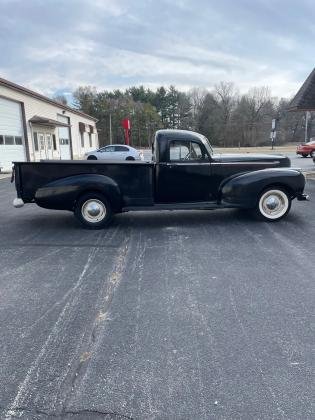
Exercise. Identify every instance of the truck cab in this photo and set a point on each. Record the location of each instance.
(187, 169)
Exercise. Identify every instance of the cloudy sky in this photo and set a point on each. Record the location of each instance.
(56, 45)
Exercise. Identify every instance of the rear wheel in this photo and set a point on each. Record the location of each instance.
(93, 211)
(273, 204)
(92, 157)
(312, 154)
(304, 155)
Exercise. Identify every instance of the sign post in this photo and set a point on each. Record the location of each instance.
(307, 118)
(272, 138)
(273, 133)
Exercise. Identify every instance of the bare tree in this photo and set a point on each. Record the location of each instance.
(261, 111)
(61, 99)
(226, 95)
(196, 97)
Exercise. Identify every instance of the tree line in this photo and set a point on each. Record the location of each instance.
(226, 117)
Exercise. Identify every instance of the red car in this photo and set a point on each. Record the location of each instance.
(306, 149)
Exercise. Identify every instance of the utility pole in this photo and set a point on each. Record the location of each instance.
(307, 117)
(110, 129)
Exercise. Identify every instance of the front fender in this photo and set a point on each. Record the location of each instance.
(63, 193)
(243, 190)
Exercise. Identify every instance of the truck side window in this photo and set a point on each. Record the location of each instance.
(185, 150)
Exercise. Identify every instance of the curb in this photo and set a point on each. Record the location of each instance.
(309, 175)
(4, 176)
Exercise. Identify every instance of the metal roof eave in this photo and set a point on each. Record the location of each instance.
(29, 92)
(37, 120)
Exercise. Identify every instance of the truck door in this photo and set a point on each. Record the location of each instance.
(185, 176)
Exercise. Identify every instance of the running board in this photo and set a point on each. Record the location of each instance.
(201, 205)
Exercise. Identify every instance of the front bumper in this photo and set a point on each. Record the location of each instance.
(303, 197)
(18, 203)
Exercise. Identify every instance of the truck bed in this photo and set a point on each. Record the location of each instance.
(134, 178)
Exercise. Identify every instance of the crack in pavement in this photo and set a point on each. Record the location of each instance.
(105, 301)
(21, 410)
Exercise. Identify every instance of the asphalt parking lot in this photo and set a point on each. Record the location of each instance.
(172, 315)
(306, 164)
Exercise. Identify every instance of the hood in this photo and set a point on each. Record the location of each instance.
(279, 160)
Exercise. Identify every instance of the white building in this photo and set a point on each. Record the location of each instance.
(34, 127)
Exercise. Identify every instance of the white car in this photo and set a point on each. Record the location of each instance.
(115, 152)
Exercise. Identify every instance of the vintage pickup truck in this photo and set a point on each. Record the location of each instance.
(184, 174)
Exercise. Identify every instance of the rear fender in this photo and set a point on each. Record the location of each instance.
(63, 193)
(243, 190)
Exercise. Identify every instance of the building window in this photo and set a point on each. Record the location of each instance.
(9, 140)
(54, 142)
(48, 141)
(41, 141)
(90, 139)
(82, 139)
(35, 142)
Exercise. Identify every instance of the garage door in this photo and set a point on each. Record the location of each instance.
(11, 134)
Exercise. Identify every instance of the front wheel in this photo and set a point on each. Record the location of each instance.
(273, 204)
(93, 211)
(312, 154)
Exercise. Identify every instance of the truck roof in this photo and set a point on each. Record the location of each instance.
(178, 133)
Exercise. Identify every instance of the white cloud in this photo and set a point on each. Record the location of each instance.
(111, 7)
(286, 43)
(116, 43)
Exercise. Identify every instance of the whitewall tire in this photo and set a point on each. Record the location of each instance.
(273, 204)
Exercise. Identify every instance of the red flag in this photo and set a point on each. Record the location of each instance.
(127, 129)
(126, 124)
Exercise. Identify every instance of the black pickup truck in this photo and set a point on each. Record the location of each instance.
(184, 174)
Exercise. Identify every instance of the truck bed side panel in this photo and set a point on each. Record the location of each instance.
(134, 179)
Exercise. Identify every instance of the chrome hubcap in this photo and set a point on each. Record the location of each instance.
(93, 210)
(273, 204)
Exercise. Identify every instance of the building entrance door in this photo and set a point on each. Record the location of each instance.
(45, 145)
(49, 146)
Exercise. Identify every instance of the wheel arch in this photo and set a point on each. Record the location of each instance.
(92, 191)
(282, 186)
(244, 190)
(63, 193)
